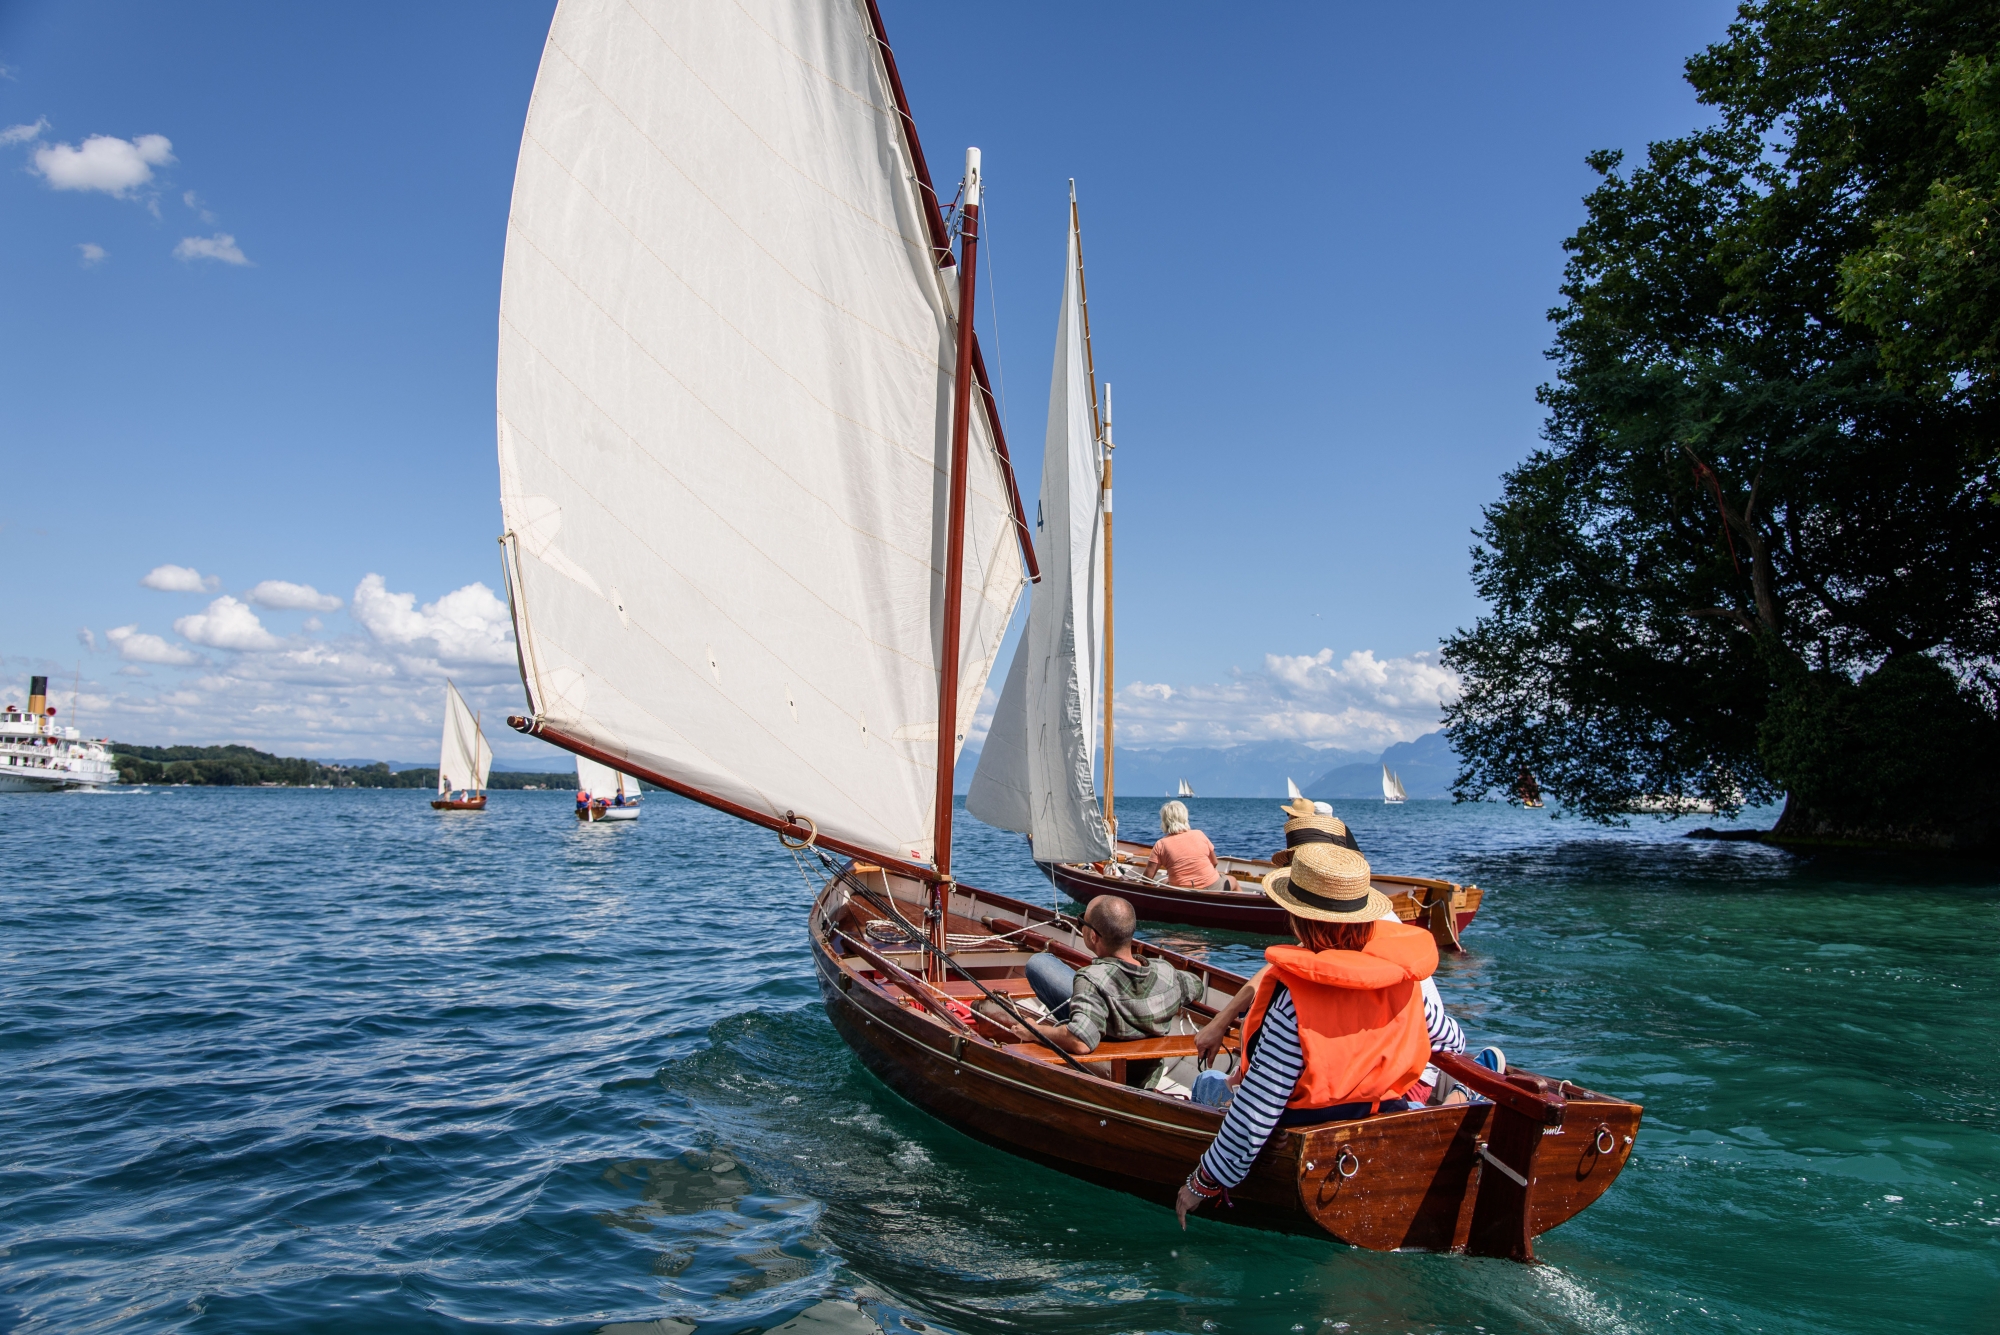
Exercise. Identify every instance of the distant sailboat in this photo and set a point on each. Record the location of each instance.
(603, 793)
(1185, 790)
(464, 759)
(1392, 789)
(1292, 790)
(1528, 791)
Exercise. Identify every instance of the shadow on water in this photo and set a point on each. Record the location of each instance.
(309, 1061)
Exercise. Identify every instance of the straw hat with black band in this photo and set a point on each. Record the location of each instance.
(1327, 883)
(1309, 827)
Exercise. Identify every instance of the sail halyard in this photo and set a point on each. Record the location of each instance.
(723, 304)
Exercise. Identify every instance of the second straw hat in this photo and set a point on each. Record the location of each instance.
(1327, 883)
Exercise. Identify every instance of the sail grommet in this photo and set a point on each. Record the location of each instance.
(793, 818)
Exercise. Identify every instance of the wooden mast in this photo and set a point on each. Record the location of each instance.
(954, 560)
(1100, 426)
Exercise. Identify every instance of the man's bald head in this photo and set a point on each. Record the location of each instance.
(1113, 919)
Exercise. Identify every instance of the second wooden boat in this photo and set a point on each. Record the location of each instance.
(1445, 907)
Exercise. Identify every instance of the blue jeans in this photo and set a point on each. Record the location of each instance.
(1054, 982)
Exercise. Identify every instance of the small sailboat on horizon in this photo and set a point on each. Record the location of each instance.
(464, 758)
(1185, 791)
(1392, 789)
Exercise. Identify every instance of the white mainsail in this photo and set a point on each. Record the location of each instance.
(464, 760)
(1185, 790)
(725, 400)
(603, 783)
(1292, 790)
(1036, 773)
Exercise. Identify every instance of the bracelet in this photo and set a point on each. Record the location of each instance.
(1199, 1185)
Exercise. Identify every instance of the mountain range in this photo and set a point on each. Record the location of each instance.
(1259, 769)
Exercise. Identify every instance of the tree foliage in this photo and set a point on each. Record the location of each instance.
(1744, 494)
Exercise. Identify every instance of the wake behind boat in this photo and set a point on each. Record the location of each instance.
(762, 543)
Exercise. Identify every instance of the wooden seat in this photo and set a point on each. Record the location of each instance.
(1137, 1050)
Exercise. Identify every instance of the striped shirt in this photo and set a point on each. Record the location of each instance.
(1268, 1083)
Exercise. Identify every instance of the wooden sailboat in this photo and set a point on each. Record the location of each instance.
(1392, 789)
(464, 759)
(1185, 790)
(762, 541)
(603, 793)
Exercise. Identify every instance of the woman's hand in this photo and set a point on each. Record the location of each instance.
(1184, 1202)
(1208, 1039)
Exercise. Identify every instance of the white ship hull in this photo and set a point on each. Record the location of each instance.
(51, 771)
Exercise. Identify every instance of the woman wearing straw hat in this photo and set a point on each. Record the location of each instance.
(1336, 1028)
(1310, 822)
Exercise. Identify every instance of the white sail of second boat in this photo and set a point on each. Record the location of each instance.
(726, 366)
(1036, 772)
(464, 759)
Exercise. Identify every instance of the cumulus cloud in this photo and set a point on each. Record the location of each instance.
(180, 579)
(21, 134)
(87, 638)
(90, 253)
(468, 625)
(103, 162)
(227, 624)
(138, 647)
(221, 246)
(1359, 701)
(287, 596)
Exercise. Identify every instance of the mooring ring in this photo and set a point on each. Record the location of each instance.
(1348, 1164)
(795, 819)
(1605, 1142)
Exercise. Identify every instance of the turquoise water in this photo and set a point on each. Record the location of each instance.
(324, 1061)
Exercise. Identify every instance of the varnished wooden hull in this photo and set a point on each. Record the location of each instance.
(1415, 1180)
(1416, 899)
(459, 803)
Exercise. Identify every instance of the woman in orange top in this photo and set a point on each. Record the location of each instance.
(1185, 854)
(1336, 1031)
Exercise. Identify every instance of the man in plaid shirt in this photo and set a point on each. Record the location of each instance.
(1116, 997)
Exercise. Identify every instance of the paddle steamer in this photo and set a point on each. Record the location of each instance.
(37, 756)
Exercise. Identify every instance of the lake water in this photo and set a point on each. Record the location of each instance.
(298, 1061)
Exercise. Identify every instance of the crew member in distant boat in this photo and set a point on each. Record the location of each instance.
(1185, 854)
(1336, 1029)
(1116, 997)
(1310, 822)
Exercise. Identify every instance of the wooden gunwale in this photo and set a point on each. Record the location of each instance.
(1428, 1161)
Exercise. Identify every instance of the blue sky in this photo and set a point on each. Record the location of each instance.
(1321, 240)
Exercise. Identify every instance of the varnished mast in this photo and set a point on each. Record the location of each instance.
(1100, 424)
(954, 561)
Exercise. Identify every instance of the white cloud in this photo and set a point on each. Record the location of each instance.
(1360, 702)
(467, 625)
(227, 624)
(221, 246)
(139, 647)
(91, 254)
(21, 134)
(87, 638)
(193, 201)
(130, 671)
(180, 579)
(287, 596)
(104, 162)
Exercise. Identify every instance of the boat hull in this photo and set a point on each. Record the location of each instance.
(1414, 1180)
(1446, 907)
(595, 815)
(459, 803)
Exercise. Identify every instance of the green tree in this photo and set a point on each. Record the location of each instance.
(1744, 501)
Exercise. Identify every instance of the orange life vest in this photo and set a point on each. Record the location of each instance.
(1361, 1014)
